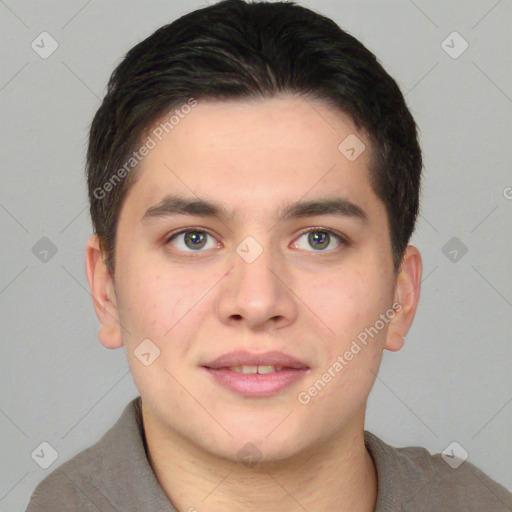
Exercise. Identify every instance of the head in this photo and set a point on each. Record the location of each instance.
(238, 112)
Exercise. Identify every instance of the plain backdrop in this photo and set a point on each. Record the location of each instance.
(451, 381)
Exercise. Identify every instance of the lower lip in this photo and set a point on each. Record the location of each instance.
(255, 384)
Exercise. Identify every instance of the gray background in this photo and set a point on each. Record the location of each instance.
(452, 380)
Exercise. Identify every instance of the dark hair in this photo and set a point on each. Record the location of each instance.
(238, 50)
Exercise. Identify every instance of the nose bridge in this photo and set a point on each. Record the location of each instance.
(255, 264)
(255, 292)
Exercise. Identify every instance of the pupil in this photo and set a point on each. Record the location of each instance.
(315, 236)
(193, 237)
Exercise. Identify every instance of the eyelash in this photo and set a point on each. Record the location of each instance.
(344, 242)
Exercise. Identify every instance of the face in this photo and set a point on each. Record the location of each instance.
(316, 284)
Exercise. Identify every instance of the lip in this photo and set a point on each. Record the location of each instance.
(245, 358)
(254, 384)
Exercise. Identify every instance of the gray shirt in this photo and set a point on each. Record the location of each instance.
(114, 474)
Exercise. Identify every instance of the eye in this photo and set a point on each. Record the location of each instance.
(319, 239)
(193, 241)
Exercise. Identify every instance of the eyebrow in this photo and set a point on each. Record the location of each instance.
(172, 205)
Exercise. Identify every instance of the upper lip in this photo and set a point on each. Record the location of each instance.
(244, 358)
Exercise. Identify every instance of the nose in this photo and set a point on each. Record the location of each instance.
(258, 294)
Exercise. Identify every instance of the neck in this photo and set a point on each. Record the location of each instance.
(335, 474)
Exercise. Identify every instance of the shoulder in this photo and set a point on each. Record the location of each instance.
(85, 482)
(414, 479)
(69, 487)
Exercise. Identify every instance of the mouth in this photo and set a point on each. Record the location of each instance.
(256, 384)
(256, 375)
(244, 359)
(253, 369)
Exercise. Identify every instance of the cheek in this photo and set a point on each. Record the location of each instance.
(349, 302)
(153, 307)
(151, 302)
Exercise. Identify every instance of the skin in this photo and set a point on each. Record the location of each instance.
(254, 158)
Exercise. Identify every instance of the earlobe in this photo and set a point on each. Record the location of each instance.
(394, 341)
(103, 294)
(407, 295)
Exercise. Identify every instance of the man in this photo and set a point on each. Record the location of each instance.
(254, 179)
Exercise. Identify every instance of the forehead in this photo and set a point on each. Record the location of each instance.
(253, 154)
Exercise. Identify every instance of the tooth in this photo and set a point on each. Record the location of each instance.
(253, 369)
(249, 369)
(266, 369)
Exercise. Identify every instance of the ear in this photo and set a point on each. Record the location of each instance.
(406, 298)
(103, 294)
